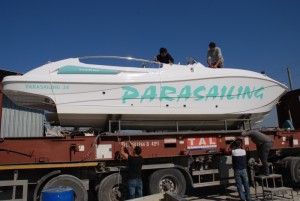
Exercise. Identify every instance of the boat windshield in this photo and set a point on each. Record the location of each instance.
(120, 61)
(127, 61)
(190, 60)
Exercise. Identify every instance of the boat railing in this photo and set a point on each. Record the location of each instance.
(144, 63)
(116, 126)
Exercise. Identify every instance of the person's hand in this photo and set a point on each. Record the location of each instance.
(211, 65)
(214, 65)
(155, 58)
(130, 144)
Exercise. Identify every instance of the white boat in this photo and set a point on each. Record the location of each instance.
(149, 96)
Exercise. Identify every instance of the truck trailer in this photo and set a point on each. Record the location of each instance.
(32, 161)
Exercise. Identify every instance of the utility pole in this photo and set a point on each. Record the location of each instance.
(290, 79)
(291, 88)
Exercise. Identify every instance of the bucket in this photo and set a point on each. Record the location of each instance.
(58, 194)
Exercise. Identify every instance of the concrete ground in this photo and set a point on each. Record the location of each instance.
(230, 193)
(216, 193)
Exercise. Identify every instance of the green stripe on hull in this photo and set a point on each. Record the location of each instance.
(85, 70)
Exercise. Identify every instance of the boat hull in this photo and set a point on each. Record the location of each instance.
(190, 96)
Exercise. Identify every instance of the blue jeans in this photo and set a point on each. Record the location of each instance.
(135, 188)
(241, 179)
(263, 153)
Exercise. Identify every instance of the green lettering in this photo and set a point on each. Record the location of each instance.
(165, 91)
(213, 92)
(150, 93)
(240, 91)
(185, 93)
(130, 93)
(247, 92)
(258, 93)
(229, 95)
(223, 92)
(196, 93)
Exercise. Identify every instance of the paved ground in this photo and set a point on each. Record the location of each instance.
(219, 193)
(216, 193)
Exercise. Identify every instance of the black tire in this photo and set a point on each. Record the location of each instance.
(295, 171)
(80, 193)
(286, 174)
(167, 180)
(112, 188)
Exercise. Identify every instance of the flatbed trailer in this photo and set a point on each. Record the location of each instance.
(173, 161)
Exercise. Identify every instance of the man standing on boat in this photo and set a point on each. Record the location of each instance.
(135, 162)
(214, 56)
(164, 56)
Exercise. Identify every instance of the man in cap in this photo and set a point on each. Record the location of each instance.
(135, 162)
(164, 56)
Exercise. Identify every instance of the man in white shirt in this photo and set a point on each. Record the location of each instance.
(239, 164)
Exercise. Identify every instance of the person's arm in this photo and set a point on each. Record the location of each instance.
(228, 150)
(219, 58)
(171, 60)
(216, 64)
(123, 153)
(247, 133)
(131, 145)
(208, 59)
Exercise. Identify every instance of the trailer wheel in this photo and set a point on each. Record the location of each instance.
(287, 177)
(167, 180)
(291, 174)
(295, 171)
(112, 188)
(80, 192)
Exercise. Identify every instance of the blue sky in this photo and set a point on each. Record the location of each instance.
(258, 35)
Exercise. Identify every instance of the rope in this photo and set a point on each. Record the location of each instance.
(91, 147)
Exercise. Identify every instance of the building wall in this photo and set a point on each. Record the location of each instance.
(0, 108)
(18, 121)
(289, 104)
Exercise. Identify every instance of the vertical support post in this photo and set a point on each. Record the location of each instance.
(15, 187)
(109, 126)
(290, 79)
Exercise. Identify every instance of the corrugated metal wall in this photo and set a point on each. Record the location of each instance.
(19, 121)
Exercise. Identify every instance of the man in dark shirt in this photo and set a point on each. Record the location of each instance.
(164, 56)
(263, 146)
(135, 162)
(239, 165)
